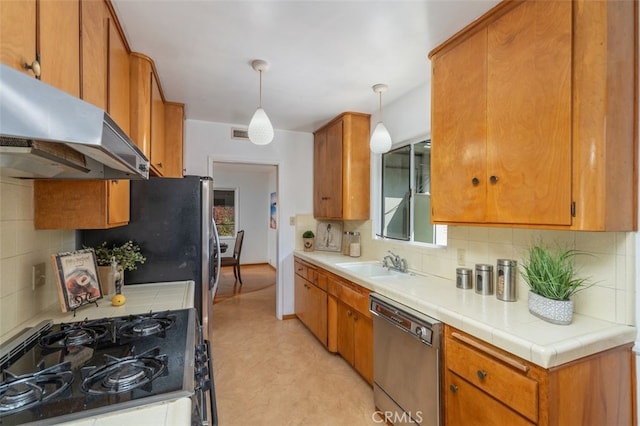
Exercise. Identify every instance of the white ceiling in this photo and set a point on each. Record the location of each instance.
(324, 55)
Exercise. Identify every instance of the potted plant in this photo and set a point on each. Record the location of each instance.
(127, 256)
(308, 238)
(552, 280)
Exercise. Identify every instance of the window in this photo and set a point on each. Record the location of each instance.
(224, 211)
(406, 195)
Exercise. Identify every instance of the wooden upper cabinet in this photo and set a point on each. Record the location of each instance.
(119, 102)
(157, 127)
(94, 44)
(174, 139)
(54, 26)
(341, 168)
(147, 112)
(532, 118)
(18, 33)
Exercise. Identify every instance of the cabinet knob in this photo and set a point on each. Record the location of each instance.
(475, 181)
(159, 165)
(453, 388)
(493, 179)
(34, 66)
(349, 313)
(482, 374)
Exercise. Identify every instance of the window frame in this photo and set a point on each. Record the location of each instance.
(439, 231)
(235, 211)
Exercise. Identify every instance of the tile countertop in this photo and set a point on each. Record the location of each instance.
(141, 298)
(507, 325)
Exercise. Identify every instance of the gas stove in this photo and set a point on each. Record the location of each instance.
(62, 372)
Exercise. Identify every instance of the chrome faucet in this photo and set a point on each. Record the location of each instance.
(395, 262)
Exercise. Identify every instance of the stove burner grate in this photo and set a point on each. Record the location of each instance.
(125, 374)
(146, 325)
(18, 393)
(76, 334)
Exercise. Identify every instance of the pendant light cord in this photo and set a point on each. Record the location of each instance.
(260, 99)
(380, 104)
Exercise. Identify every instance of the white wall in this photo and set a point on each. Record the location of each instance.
(292, 152)
(253, 209)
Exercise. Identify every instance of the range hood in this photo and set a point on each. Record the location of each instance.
(46, 133)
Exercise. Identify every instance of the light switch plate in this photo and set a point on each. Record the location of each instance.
(38, 275)
(292, 220)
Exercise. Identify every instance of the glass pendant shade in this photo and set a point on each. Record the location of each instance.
(380, 139)
(260, 128)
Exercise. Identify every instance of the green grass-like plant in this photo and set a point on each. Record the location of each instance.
(551, 273)
(308, 234)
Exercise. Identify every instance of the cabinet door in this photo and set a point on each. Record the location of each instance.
(95, 43)
(466, 405)
(319, 182)
(59, 39)
(458, 143)
(332, 166)
(118, 204)
(174, 139)
(346, 346)
(18, 33)
(140, 74)
(363, 346)
(157, 127)
(311, 307)
(119, 79)
(529, 115)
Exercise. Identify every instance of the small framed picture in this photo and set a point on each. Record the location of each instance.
(329, 236)
(77, 278)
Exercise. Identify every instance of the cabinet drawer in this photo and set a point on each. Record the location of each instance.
(505, 384)
(355, 296)
(301, 269)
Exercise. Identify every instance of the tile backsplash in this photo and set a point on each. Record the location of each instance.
(611, 264)
(21, 247)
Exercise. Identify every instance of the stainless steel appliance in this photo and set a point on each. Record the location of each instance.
(63, 372)
(47, 133)
(406, 363)
(172, 221)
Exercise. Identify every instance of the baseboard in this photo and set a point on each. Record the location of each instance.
(290, 316)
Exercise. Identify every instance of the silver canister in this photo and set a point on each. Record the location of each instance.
(464, 278)
(484, 279)
(506, 280)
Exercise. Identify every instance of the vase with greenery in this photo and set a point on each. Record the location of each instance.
(308, 238)
(551, 276)
(126, 255)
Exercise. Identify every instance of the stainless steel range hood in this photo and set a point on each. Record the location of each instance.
(46, 133)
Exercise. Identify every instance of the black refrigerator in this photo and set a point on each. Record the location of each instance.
(172, 221)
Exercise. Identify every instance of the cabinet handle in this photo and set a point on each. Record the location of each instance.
(355, 318)
(482, 374)
(34, 66)
(479, 346)
(475, 181)
(349, 313)
(493, 179)
(453, 388)
(159, 165)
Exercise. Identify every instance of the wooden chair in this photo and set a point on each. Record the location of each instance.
(234, 260)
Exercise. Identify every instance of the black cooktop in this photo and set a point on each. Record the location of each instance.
(86, 368)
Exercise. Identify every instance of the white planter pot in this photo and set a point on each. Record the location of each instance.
(554, 311)
(308, 243)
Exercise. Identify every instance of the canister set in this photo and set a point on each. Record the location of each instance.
(505, 284)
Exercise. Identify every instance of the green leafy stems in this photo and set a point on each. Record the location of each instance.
(127, 255)
(552, 274)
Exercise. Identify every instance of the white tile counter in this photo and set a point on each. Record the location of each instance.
(141, 298)
(507, 325)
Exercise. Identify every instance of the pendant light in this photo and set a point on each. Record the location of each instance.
(380, 138)
(260, 128)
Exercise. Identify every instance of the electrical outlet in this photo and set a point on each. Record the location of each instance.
(38, 275)
(461, 259)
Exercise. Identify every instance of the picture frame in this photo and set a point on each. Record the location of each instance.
(329, 236)
(77, 278)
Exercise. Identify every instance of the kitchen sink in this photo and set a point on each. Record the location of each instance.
(372, 270)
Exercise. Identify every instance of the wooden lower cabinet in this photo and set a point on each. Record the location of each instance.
(355, 340)
(484, 385)
(310, 302)
(336, 311)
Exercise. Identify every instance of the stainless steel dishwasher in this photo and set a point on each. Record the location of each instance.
(406, 363)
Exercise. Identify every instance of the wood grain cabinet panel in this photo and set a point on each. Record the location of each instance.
(341, 168)
(310, 301)
(18, 33)
(174, 139)
(486, 385)
(533, 118)
(62, 204)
